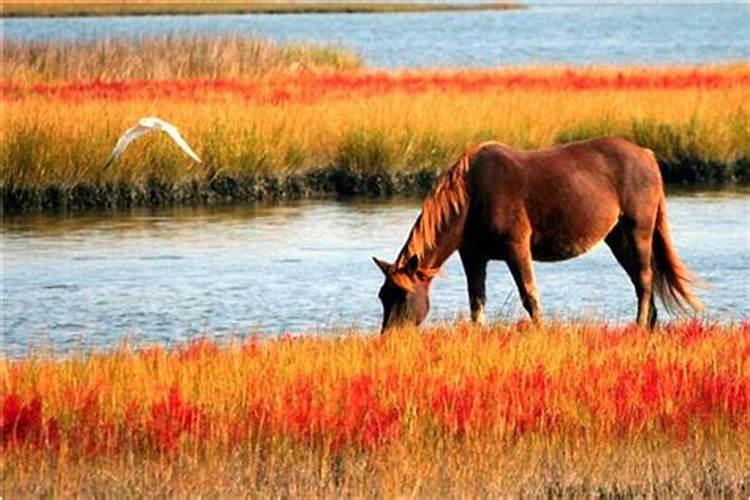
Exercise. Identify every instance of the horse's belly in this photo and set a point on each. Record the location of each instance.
(550, 250)
(567, 240)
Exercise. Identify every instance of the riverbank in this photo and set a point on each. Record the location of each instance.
(120, 8)
(337, 182)
(507, 410)
(218, 191)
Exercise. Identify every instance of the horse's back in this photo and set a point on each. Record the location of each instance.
(567, 197)
(623, 168)
(604, 165)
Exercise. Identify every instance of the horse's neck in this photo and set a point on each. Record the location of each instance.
(447, 238)
(439, 229)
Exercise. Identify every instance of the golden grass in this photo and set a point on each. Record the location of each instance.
(65, 144)
(572, 409)
(170, 7)
(255, 109)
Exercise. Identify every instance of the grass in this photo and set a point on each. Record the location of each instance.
(277, 122)
(146, 8)
(166, 58)
(508, 410)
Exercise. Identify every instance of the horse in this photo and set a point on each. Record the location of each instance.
(501, 203)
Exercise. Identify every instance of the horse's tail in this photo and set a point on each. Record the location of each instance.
(672, 278)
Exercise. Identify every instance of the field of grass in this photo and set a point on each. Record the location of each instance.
(456, 410)
(166, 58)
(34, 8)
(275, 122)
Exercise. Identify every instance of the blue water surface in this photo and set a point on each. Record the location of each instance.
(168, 275)
(580, 34)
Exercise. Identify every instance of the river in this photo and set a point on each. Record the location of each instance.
(169, 275)
(581, 34)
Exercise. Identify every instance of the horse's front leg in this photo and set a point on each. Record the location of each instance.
(520, 265)
(475, 267)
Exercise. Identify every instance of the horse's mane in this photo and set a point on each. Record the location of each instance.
(449, 198)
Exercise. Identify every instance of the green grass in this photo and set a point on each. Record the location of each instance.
(688, 153)
(29, 9)
(43, 173)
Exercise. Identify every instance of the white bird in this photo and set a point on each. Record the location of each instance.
(146, 125)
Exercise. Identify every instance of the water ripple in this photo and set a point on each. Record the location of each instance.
(614, 33)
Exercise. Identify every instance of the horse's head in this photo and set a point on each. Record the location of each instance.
(405, 294)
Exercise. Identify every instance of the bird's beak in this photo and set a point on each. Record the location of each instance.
(110, 161)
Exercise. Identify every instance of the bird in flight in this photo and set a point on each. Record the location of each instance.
(146, 125)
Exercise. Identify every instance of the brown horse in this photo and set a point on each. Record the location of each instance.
(500, 203)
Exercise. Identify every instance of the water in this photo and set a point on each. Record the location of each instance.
(166, 276)
(542, 34)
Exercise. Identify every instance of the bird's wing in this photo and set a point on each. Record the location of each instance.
(129, 136)
(172, 131)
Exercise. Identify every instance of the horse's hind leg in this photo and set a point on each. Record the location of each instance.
(475, 267)
(631, 245)
(520, 265)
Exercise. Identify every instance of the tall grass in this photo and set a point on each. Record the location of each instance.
(169, 57)
(65, 145)
(502, 411)
(274, 121)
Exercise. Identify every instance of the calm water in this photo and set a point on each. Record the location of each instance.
(167, 276)
(542, 34)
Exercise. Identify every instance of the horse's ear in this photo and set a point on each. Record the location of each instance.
(384, 266)
(412, 265)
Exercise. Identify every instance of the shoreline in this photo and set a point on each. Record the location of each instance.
(73, 9)
(227, 190)
(224, 190)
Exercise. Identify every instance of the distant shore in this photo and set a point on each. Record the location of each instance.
(84, 9)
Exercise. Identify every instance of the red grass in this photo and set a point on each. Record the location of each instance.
(170, 419)
(312, 88)
(22, 424)
(624, 383)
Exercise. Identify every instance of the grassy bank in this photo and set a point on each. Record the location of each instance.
(146, 8)
(454, 411)
(279, 122)
(166, 58)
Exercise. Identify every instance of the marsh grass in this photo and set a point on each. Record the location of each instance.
(396, 143)
(277, 121)
(461, 468)
(572, 409)
(169, 57)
